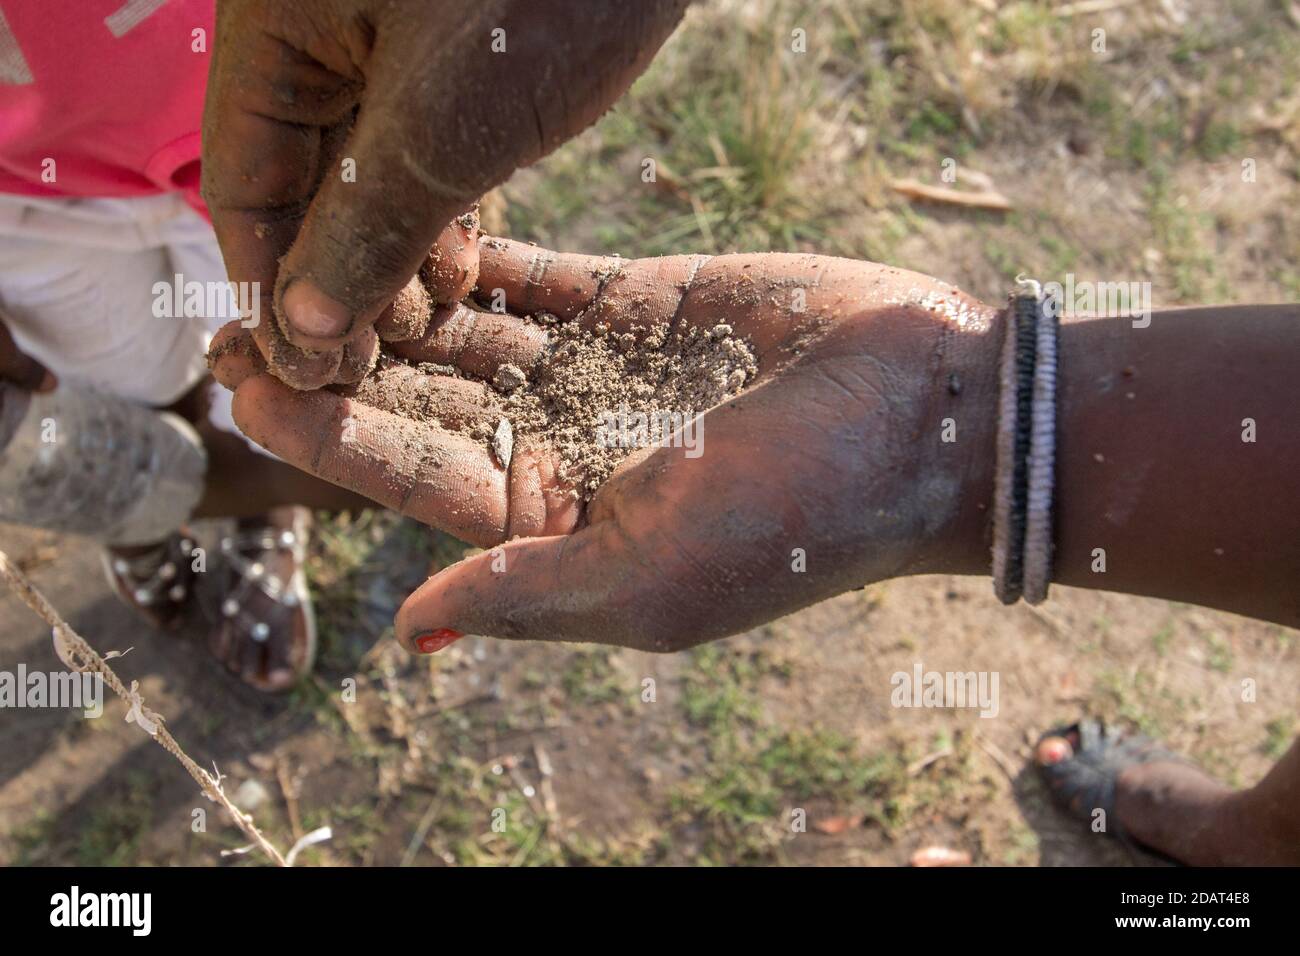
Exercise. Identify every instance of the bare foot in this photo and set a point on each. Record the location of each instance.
(1161, 803)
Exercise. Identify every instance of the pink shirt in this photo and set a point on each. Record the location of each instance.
(111, 91)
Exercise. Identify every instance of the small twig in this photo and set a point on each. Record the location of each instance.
(80, 656)
(290, 792)
(1004, 763)
(914, 189)
(547, 788)
(916, 766)
(422, 831)
(1091, 6)
(1047, 618)
(524, 786)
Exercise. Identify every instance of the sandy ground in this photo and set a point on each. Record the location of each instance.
(98, 791)
(1122, 165)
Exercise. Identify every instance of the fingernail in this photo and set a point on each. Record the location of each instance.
(1053, 750)
(49, 383)
(311, 312)
(432, 641)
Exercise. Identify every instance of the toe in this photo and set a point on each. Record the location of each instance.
(1052, 750)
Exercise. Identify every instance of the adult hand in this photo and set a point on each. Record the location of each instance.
(828, 472)
(343, 139)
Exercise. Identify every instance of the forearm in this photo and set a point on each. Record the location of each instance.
(1178, 460)
(1159, 464)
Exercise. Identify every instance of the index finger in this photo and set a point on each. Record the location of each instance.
(438, 477)
(527, 279)
(442, 478)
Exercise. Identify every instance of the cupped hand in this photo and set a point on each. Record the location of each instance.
(829, 471)
(344, 139)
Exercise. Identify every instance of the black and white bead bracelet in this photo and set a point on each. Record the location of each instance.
(1026, 447)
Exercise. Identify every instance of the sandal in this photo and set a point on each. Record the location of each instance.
(266, 631)
(157, 582)
(1085, 781)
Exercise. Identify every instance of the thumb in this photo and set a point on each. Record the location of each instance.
(445, 116)
(562, 588)
(375, 216)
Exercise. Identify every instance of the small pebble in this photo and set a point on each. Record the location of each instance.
(251, 795)
(509, 377)
(503, 443)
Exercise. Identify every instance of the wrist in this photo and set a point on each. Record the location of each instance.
(960, 438)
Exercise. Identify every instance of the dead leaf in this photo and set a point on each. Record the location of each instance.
(833, 826)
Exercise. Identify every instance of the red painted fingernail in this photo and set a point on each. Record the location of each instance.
(311, 312)
(1053, 750)
(432, 641)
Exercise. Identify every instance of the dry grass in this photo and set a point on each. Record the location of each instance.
(1122, 165)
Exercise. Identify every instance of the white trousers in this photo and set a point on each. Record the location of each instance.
(77, 290)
